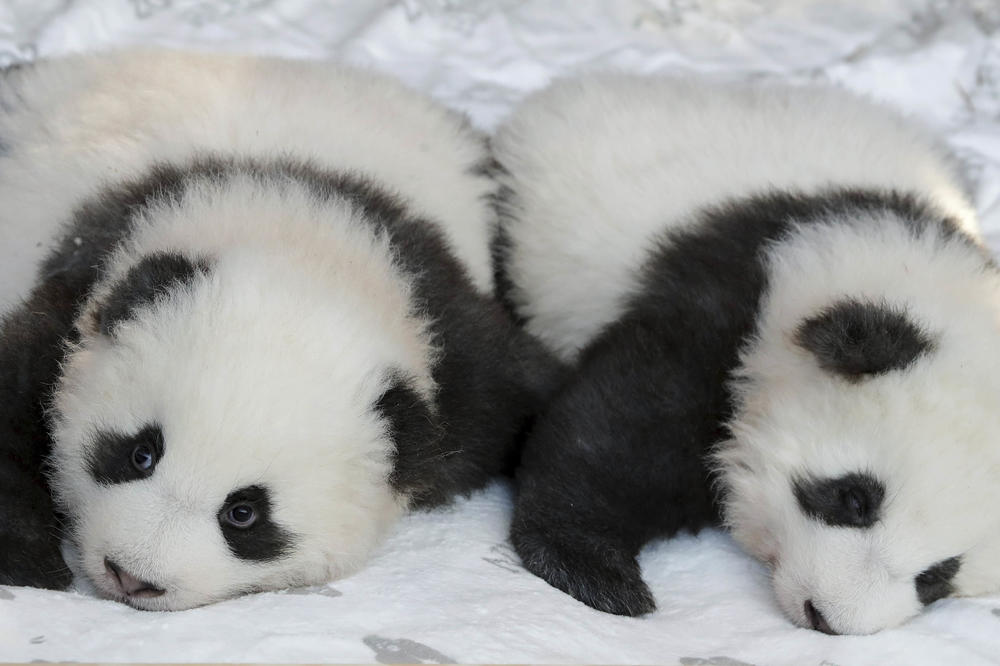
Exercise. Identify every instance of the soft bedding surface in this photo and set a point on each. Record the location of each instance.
(446, 586)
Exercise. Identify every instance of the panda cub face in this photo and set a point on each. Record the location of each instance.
(216, 430)
(865, 451)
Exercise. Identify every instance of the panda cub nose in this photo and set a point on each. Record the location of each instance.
(817, 620)
(128, 584)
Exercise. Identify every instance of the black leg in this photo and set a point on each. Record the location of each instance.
(31, 343)
(617, 459)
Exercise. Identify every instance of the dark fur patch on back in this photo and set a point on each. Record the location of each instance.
(151, 278)
(265, 540)
(856, 338)
(936, 582)
(501, 248)
(852, 500)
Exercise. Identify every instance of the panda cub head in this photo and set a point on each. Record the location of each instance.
(217, 426)
(864, 462)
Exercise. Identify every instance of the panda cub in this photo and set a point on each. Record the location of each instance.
(264, 331)
(781, 319)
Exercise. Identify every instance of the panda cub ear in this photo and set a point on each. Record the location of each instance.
(415, 429)
(855, 339)
(153, 276)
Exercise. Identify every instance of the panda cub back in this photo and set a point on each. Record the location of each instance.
(780, 317)
(654, 156)
(270, 303)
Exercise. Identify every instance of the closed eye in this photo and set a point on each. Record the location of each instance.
(851, 500)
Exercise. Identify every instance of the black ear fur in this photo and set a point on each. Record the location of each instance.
(152, 277)
(416, 432)
(854, 338)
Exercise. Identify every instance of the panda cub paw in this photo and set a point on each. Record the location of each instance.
(596, 571)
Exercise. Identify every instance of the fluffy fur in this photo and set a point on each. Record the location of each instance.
(265, 331)
(780, 318)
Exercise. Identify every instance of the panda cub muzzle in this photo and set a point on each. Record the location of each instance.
(128, 585)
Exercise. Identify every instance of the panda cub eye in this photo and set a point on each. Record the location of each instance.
(241, 515)
(852, 500)
(117, 457)
(143, 458)
(248, 527)
(855, 503)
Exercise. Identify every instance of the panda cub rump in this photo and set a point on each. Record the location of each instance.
(253, 320)
(779, 317)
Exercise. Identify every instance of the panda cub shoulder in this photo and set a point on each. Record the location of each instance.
(266, 318)
(780, 317)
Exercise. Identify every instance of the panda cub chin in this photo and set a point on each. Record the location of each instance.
(264, 331)
(781, 320)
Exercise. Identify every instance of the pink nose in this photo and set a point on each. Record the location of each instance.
(129, 585)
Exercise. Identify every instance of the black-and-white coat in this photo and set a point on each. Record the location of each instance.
(780, 317)
(265, 331)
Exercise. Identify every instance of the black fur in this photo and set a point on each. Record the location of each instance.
(415, 430)
(619, 457)
(936, 582)
(148, 280)
(856, 338)
(30, 351)
(506, 205)
(852, 500)
(264, 540)
(110, 455)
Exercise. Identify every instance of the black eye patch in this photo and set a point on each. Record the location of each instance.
(852, 500)
(119, 458)
(245, 519)
(855, 339)
(935, 583)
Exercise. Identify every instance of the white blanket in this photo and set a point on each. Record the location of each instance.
(446, 585)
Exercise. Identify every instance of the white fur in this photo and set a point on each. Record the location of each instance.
(602, 164)
(265, 369)
(607, 161)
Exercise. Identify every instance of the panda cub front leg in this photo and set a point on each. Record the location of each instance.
(616, 460)
(29, 538)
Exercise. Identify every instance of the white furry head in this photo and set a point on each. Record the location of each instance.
(242, 388)
(872, 489)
